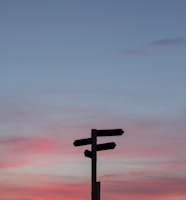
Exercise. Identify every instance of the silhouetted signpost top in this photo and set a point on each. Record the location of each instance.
(99, 133)
(93, 153)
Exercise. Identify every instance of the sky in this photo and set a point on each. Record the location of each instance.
(69, 66)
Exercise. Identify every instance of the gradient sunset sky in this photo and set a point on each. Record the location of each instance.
(69, 66)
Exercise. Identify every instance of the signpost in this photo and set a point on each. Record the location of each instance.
(93, 154)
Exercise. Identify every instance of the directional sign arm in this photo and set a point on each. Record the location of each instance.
(110, 132)
(105, 146)
(100, 147)
(82, 142)
(88, 153)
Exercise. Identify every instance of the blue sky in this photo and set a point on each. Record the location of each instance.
(69, 66)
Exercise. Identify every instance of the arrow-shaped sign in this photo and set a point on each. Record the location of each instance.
(110, 132)
(88, 153)
(82, 142)
(105, 146)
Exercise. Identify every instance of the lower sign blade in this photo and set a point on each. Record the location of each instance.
(88, 153)
(105, 146)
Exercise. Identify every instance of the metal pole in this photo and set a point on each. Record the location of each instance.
(98, 190)
(94, 159)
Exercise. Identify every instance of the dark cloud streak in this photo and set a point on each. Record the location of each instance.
(13, 139)
(169, 42)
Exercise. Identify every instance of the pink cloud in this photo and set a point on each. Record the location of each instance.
(39, 145)
(10, 164)
(41, 187)
(53, 191)
(20, 151)
(25, 145)
(150, 139)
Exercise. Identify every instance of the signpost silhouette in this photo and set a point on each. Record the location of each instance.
(95, 187)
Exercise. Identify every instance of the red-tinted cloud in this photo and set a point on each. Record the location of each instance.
(53, 191)
(38, 145)
(20, 151)
(119, 187)
(9, 164)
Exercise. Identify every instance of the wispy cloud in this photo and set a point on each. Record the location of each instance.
(174, 42)
(146, 51)
(11, 140)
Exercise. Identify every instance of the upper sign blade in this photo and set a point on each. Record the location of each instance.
(110, 132)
